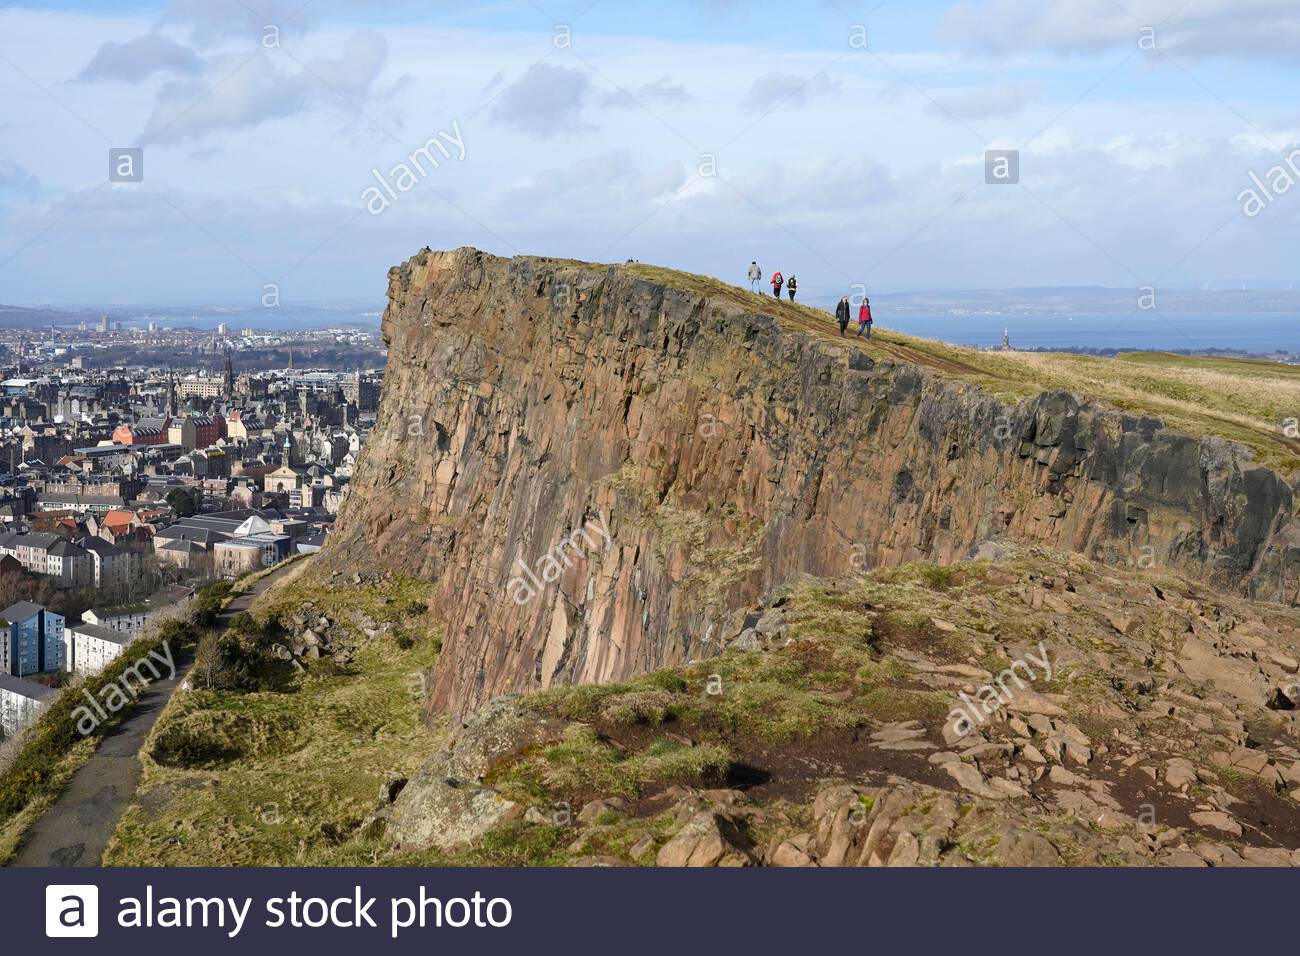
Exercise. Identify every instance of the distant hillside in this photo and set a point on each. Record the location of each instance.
(1097, 300)
(26, 317)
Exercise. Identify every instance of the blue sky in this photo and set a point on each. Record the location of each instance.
(698, 135)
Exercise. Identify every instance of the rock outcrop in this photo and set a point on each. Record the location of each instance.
(1026, 708)
(598, 466)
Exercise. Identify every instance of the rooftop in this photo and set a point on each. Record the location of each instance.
(120, 638)
(21, 611)
(27, 688)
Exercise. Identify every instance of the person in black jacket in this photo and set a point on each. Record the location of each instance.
(842, 313)
(792, 287)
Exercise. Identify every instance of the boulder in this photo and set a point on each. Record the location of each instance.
(445, 804)
(1179, 772)
(1216, 820)
(596, 808)
(708, 839)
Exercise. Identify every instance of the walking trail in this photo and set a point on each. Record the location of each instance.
(75, 831)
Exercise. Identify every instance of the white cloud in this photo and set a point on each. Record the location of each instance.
(546, 101)
(1245, 29)
(214, 22)
(138, 59)
(17, 181)
(997, 99)
(1264, 142)
(662, 91)
(1146, 166)
(238, 93)
(786, 90)
(592, 186)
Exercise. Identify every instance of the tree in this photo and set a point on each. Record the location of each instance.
(217, 663)
(180, 501)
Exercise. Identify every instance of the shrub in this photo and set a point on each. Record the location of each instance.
(218, 665)
(210, 603)
(939, 578)
(204, 738)
(642, 707)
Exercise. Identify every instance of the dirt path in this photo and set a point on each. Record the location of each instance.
(75, 831)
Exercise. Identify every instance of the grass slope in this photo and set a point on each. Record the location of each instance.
(278, 777)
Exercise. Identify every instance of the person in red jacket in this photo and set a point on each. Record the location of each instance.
(864, 319)
(778, 280)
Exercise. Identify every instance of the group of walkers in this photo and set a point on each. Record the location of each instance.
(778, 280)
(843, 311)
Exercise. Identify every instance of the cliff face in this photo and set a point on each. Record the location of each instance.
(601, 471)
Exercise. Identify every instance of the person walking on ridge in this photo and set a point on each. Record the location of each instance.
(842, 313)
(778, 280)
(755, 276)
(792, 286)
(864, 319)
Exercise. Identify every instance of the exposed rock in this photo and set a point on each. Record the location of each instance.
(793, 852)
(1217, 820)
(641, 849)
(968, 778)
(445, 804)
(707, 839)
(612, 396)
(1179, 772)
(390, 789)
(1018, 847)
(596, 808)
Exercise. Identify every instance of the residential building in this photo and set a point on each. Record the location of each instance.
(112, 566)
(34, 640)
(21, 703)
(200, 387)
(130, 619)
(51, 555)
(196, 431)
(70, 565)
(94, 647)
(120, 618)
(147, 431)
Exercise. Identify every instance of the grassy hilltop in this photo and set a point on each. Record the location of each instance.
(1238, 399)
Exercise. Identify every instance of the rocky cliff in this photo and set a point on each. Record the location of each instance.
(601, 467)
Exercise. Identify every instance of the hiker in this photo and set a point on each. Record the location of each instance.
(792, 286)
(842, 313)
(755, 276)
(864, 319)
(778, 280)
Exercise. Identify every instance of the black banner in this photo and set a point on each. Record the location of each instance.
(644, 911)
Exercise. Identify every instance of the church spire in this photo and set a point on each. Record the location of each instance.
(229, 382)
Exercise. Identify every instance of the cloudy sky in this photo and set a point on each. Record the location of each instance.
(841, 141)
